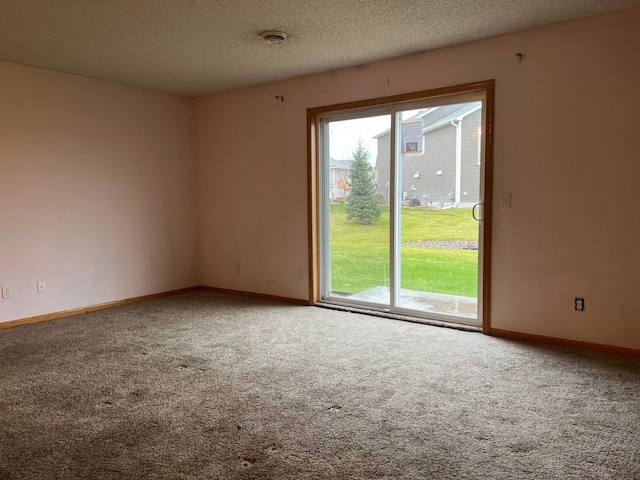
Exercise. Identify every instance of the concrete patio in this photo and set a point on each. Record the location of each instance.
(466, 307)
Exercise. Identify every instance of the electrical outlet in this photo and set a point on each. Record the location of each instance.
(301, 274)
(578, 304)
(6, 292)
(236, 267)
(42, 287)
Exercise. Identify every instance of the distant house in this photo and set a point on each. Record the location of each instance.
(338, 176)
(445, 169)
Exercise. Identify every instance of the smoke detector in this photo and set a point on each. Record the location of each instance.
(274, 37)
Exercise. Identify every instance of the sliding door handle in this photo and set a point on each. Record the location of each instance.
(474, 212)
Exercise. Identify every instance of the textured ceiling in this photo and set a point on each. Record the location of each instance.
(195, 47)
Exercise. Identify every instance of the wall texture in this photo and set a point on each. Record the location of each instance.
(97, 191)
(565, 147)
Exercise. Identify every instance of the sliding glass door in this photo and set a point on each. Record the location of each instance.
(400, 200)
(438, 160)
(356, 248)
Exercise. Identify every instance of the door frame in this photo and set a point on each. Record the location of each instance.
(486, 88)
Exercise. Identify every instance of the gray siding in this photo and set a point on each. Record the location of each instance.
(439, 156)
(470, 181)
(383, 163)
(431, 189)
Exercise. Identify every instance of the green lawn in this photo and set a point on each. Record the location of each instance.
(360, 253)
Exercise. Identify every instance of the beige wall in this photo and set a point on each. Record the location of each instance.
(565, 147)
(97, 191)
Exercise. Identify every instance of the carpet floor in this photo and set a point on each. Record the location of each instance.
(213, 386)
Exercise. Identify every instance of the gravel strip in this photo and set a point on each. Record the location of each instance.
(451, 244)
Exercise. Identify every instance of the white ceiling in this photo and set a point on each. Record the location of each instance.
(195, 47)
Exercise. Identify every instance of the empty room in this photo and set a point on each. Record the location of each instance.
(309, 240)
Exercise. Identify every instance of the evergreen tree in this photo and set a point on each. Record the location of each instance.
(361, 203)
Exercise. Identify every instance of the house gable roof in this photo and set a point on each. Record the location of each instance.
(344, 164)
(437, 117)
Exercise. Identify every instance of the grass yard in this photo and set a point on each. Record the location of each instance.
(360, 253)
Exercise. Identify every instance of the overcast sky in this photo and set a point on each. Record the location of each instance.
(344, 136)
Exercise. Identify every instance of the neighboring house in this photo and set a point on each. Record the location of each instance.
(447, 172)
(338, 177)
